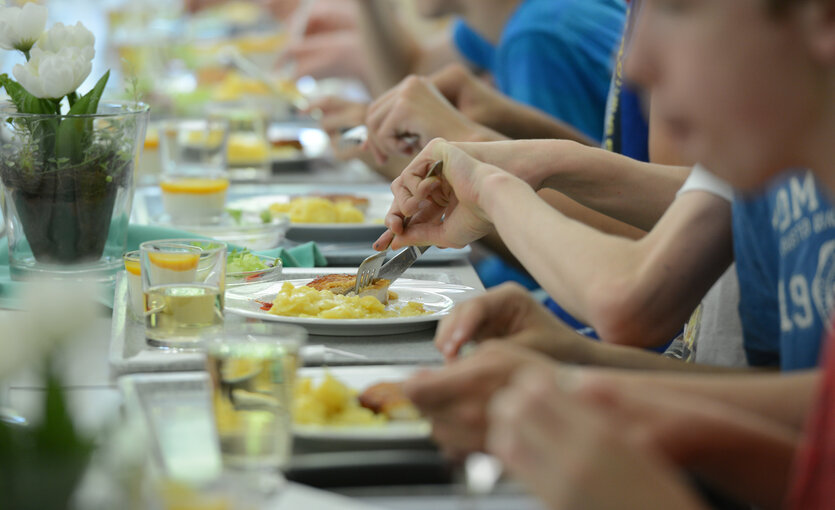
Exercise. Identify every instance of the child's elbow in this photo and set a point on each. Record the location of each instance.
(621, 314)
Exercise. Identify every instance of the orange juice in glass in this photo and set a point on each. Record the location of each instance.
(183, 281)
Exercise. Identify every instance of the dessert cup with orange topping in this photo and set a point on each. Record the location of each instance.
(194, 200)
(194, 180)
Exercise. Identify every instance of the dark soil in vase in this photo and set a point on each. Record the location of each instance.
(66, 212)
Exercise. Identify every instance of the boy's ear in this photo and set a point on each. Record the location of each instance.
(818, 20)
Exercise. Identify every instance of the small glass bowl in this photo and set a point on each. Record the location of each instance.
(271, 274)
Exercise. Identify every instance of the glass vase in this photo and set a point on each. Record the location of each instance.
(68, 189)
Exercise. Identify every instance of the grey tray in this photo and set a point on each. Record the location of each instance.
(129, 352)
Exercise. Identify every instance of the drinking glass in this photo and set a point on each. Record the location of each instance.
(194, 179)
(183, 281)
(253, 370)
(133, 272)
(248, 150)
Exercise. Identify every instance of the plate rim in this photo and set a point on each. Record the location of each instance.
(315, 321)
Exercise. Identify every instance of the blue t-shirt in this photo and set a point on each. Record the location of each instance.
(554, 55)
(784, 244)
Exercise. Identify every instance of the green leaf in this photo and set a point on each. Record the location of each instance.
(23, 100)
(236, 215)
(74, 135)
(42, 130)
(88, 104)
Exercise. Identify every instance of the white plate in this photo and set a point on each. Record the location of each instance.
(360, 378)
(178, 411)
(437, 297)
(370, 230)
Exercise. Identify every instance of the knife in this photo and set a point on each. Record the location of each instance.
(394, 268)
(359, 135)
(354, 136)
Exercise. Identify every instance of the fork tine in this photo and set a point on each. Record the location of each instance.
(368, 270)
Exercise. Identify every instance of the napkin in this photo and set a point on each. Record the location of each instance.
(303, 255)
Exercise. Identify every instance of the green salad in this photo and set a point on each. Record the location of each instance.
(242, 261)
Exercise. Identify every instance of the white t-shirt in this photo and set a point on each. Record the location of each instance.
(715, 329)
(702, 180)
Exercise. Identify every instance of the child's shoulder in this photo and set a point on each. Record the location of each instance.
(565, 19)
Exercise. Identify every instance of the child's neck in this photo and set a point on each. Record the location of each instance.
(489, 17)
(821, 148)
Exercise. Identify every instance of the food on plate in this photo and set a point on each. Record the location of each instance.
(346, 283)
(243, 267)
(286, 148)
(194, 198)
(243, 261)
(233, 86)
(305, 301)
(333, 403)
(246, 149)
(289, 143)
(387, 398)
(360, 203)
(318, 210)
(330, 403)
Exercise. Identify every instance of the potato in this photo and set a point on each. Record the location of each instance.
(331, 403)
(333, 394)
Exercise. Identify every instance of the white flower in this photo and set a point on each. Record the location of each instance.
(75, 37)
(52, 75)
(59, 63)
(21, 27)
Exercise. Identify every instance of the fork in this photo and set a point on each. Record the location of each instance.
(370, 267)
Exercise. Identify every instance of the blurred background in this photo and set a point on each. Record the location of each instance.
(180, 55)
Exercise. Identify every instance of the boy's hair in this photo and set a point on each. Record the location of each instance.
(780, 6)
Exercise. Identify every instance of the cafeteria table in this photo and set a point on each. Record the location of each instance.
(90, 376)
(95, 401)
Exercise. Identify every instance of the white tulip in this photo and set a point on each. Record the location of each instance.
(20, 27)
(59, 63)
(75, 37)
(53, 75)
